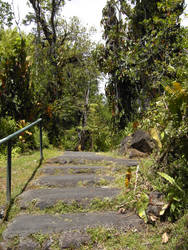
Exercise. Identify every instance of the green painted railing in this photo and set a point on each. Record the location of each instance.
(9, 150)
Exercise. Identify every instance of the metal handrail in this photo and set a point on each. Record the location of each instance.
(9, 150)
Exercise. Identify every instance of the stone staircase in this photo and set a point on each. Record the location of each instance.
(65, 200)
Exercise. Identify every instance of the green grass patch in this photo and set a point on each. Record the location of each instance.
(103, 205)
(93, 205)
(23, 168)
(110, 239)
(64, 208)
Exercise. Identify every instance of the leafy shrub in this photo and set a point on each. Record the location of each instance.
(169, 114)
(7, 127)
(36, 140)
(176, 196)
(99, 121)
(27, 140)
(70, 139)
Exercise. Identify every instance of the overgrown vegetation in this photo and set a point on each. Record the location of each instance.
(101, 237)
(114, 239)
(169, 115)
(54, 73)
(145, 56)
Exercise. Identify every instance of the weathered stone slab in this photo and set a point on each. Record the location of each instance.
(73, 239)
(48, 197)
(27, 224)
(29, 244)
(71, 180)
(85, 157)
(72, 169)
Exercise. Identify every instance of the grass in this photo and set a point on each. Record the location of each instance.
(151, 238)
(23, 167)
(114, 239)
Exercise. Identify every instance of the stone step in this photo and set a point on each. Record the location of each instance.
(48, 197)
(73, 180)
(85, 157)
(74, 169)
(28, 224)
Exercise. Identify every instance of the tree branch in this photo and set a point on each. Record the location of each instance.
(41, 19)
(54, 8)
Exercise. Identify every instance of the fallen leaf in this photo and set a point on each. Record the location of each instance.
(142, 214)
(153, 218)
(127, 190)
(164, 208)
(164, 238)
(128, 177)
(122, 210)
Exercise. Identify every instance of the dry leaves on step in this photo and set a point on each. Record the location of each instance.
(122, 210)
(164, 238)
(153, 218)
(128, 177)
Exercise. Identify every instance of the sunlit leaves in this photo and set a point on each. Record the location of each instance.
(16, 97)
(143, 42)
(170, 179)
(6, 14)
(142, 206)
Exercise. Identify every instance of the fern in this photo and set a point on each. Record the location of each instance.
(170, 179)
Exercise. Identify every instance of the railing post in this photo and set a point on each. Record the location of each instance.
(9, 160)
(9, 148)
(41, 152)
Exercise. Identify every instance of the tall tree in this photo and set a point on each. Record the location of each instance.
(141, 39)
(45, 16)
(76, 71)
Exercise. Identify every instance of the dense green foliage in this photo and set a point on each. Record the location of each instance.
(16, 90)
(142, 41)
(76, 75)
(145, 56)
(49, 73)
(169, 115)
(54, 73)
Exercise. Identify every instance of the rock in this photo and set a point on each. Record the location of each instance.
(46, 197)
(69, 180)
(27, 243)
(139, 144)
(142, 141)
(74, 240)
(125, 145)
(154, 210)
(26, 224)
(80, 158)
(134, 153)
(156, 204)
